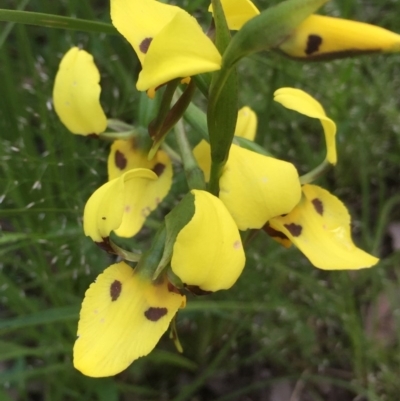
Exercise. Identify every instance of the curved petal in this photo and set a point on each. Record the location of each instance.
(320, 37)
(320, 227)
(121, 205)
(208, 251)
(76, 94)
(180, 49)
(253, 187)
(126, 155)
(139, 21)
(303, 103)
(122, 318)
(246, 125)
(141, 198)
(238, 12)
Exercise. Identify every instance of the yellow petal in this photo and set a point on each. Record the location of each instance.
(208, 251)
(238, 12)
(76, 94)
(141, 198)
(127, 155)
(140, 21)
(246, 125)
(122, 318)
(181, 49)
(302, 102)
(321, 37)
(202, 154)
(320, 227)
(121, 205)
(253, 187)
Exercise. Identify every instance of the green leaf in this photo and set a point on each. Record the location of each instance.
(42, 317)
(222, 108)
(163, 357)
(6, 238)
(56, 21)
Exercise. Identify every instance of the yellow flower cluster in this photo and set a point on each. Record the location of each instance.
(126, 310)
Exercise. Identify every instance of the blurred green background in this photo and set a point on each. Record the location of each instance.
(286, 331)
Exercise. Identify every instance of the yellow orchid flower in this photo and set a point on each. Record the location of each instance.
(122, 318)
(167, 40)
(320, 37)
(208, 251)
(253, 187)
(257, 189)
(123, 204)
(320, 227)
(76, 94)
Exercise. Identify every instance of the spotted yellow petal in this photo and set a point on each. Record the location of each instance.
(208, 251)
(180, 49)
(303, 103)
(253, 187)
(246, 125)
(122, 318)
(320, 37)
(320, 227)
(121, 204)
(76, 94)
(127, 155)
(238, 12)
(140, 21)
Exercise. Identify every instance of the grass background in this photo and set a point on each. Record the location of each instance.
(286, 331)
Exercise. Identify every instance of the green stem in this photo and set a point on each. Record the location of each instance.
(149, 261)
(197, 119)
(112, 136)
(172, 153)
(315, 173)
(127, 255)
(194, 175)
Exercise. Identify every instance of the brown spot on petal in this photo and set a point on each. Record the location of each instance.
(294, 229)
(274, 233)
(313, 44)
(194, 289)
(318, 206)
(105, 245)
(120, 160)
(94, 136)
(155, 314)
(172, 288)
(115, 290)
(158, 168)
(145, 44)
